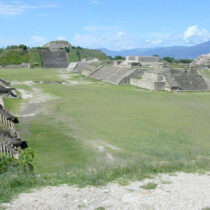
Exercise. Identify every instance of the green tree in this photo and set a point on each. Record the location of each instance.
(78, 54)
(118, 57)
(169, 59)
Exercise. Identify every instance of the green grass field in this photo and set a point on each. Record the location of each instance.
(94, 132)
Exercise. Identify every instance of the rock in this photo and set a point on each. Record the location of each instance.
(202, 61)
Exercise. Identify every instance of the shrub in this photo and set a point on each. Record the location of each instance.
(21, 46)
(185, 61)
(17, 56)
(118, 57)
(24, 162)
(26, 159)
(5, 163)
(169, 59)
(67, 49)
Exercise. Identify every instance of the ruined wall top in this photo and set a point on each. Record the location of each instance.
(202, 61)
(131, 59)
(59, 44)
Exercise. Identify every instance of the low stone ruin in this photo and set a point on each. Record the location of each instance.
(172, 80)
(107, 73)
(202, 62)
(10, 141)
(58, 44)
(153, 77)
(141, 60)
(17, 66)
(6, 90)
(149, 80)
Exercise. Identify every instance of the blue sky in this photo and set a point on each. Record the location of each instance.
(112, 24)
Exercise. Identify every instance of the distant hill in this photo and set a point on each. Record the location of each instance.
(178, 52)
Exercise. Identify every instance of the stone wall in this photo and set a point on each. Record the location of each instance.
(17, 66)
(155, 78)
(54, 59)
(185, 79)
(72, 67)
(202, 61)
(58, 44)
(10, 141)
(114, 75)
(147, 84)
(136, 59)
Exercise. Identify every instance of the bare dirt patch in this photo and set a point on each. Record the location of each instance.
(105, 149)
(183, 191)
(35, 100)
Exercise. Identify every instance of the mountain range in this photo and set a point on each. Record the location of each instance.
(178, 52)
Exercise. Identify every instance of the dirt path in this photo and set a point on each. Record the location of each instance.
(36, 99)
(183, 191)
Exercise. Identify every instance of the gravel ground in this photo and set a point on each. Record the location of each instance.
(180, 191)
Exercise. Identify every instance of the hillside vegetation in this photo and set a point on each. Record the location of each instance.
(18, 55)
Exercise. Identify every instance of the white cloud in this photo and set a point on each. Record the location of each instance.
(154, 42)
(121, 34)
(96, 2)
(101, 28)
(37, 40)
(5, 42)
(61, 38)
(18, 7)
(90, 28)
(116, 40)
(194, 34)
(31, 41)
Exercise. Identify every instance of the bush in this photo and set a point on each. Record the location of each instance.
(185, 61)
(14, 57)
(24, 162)
(26, 159)
(173, 60)
(5, 163)
(21, 46)
(118, 57)
(169, 59)
(67, 49)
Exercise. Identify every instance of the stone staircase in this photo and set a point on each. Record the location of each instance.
(54, 59)
(114, 75)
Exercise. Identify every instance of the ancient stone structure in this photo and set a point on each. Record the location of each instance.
(149, 80)
(6, 90)
(140, 60)
(114, 75)
(59, 44)
(72, 67)
(203, 61)
(6, 113)
(54, 58)
(153, 77)
(10, 141)
(107, 73)
(171, 80)
(90, 60)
